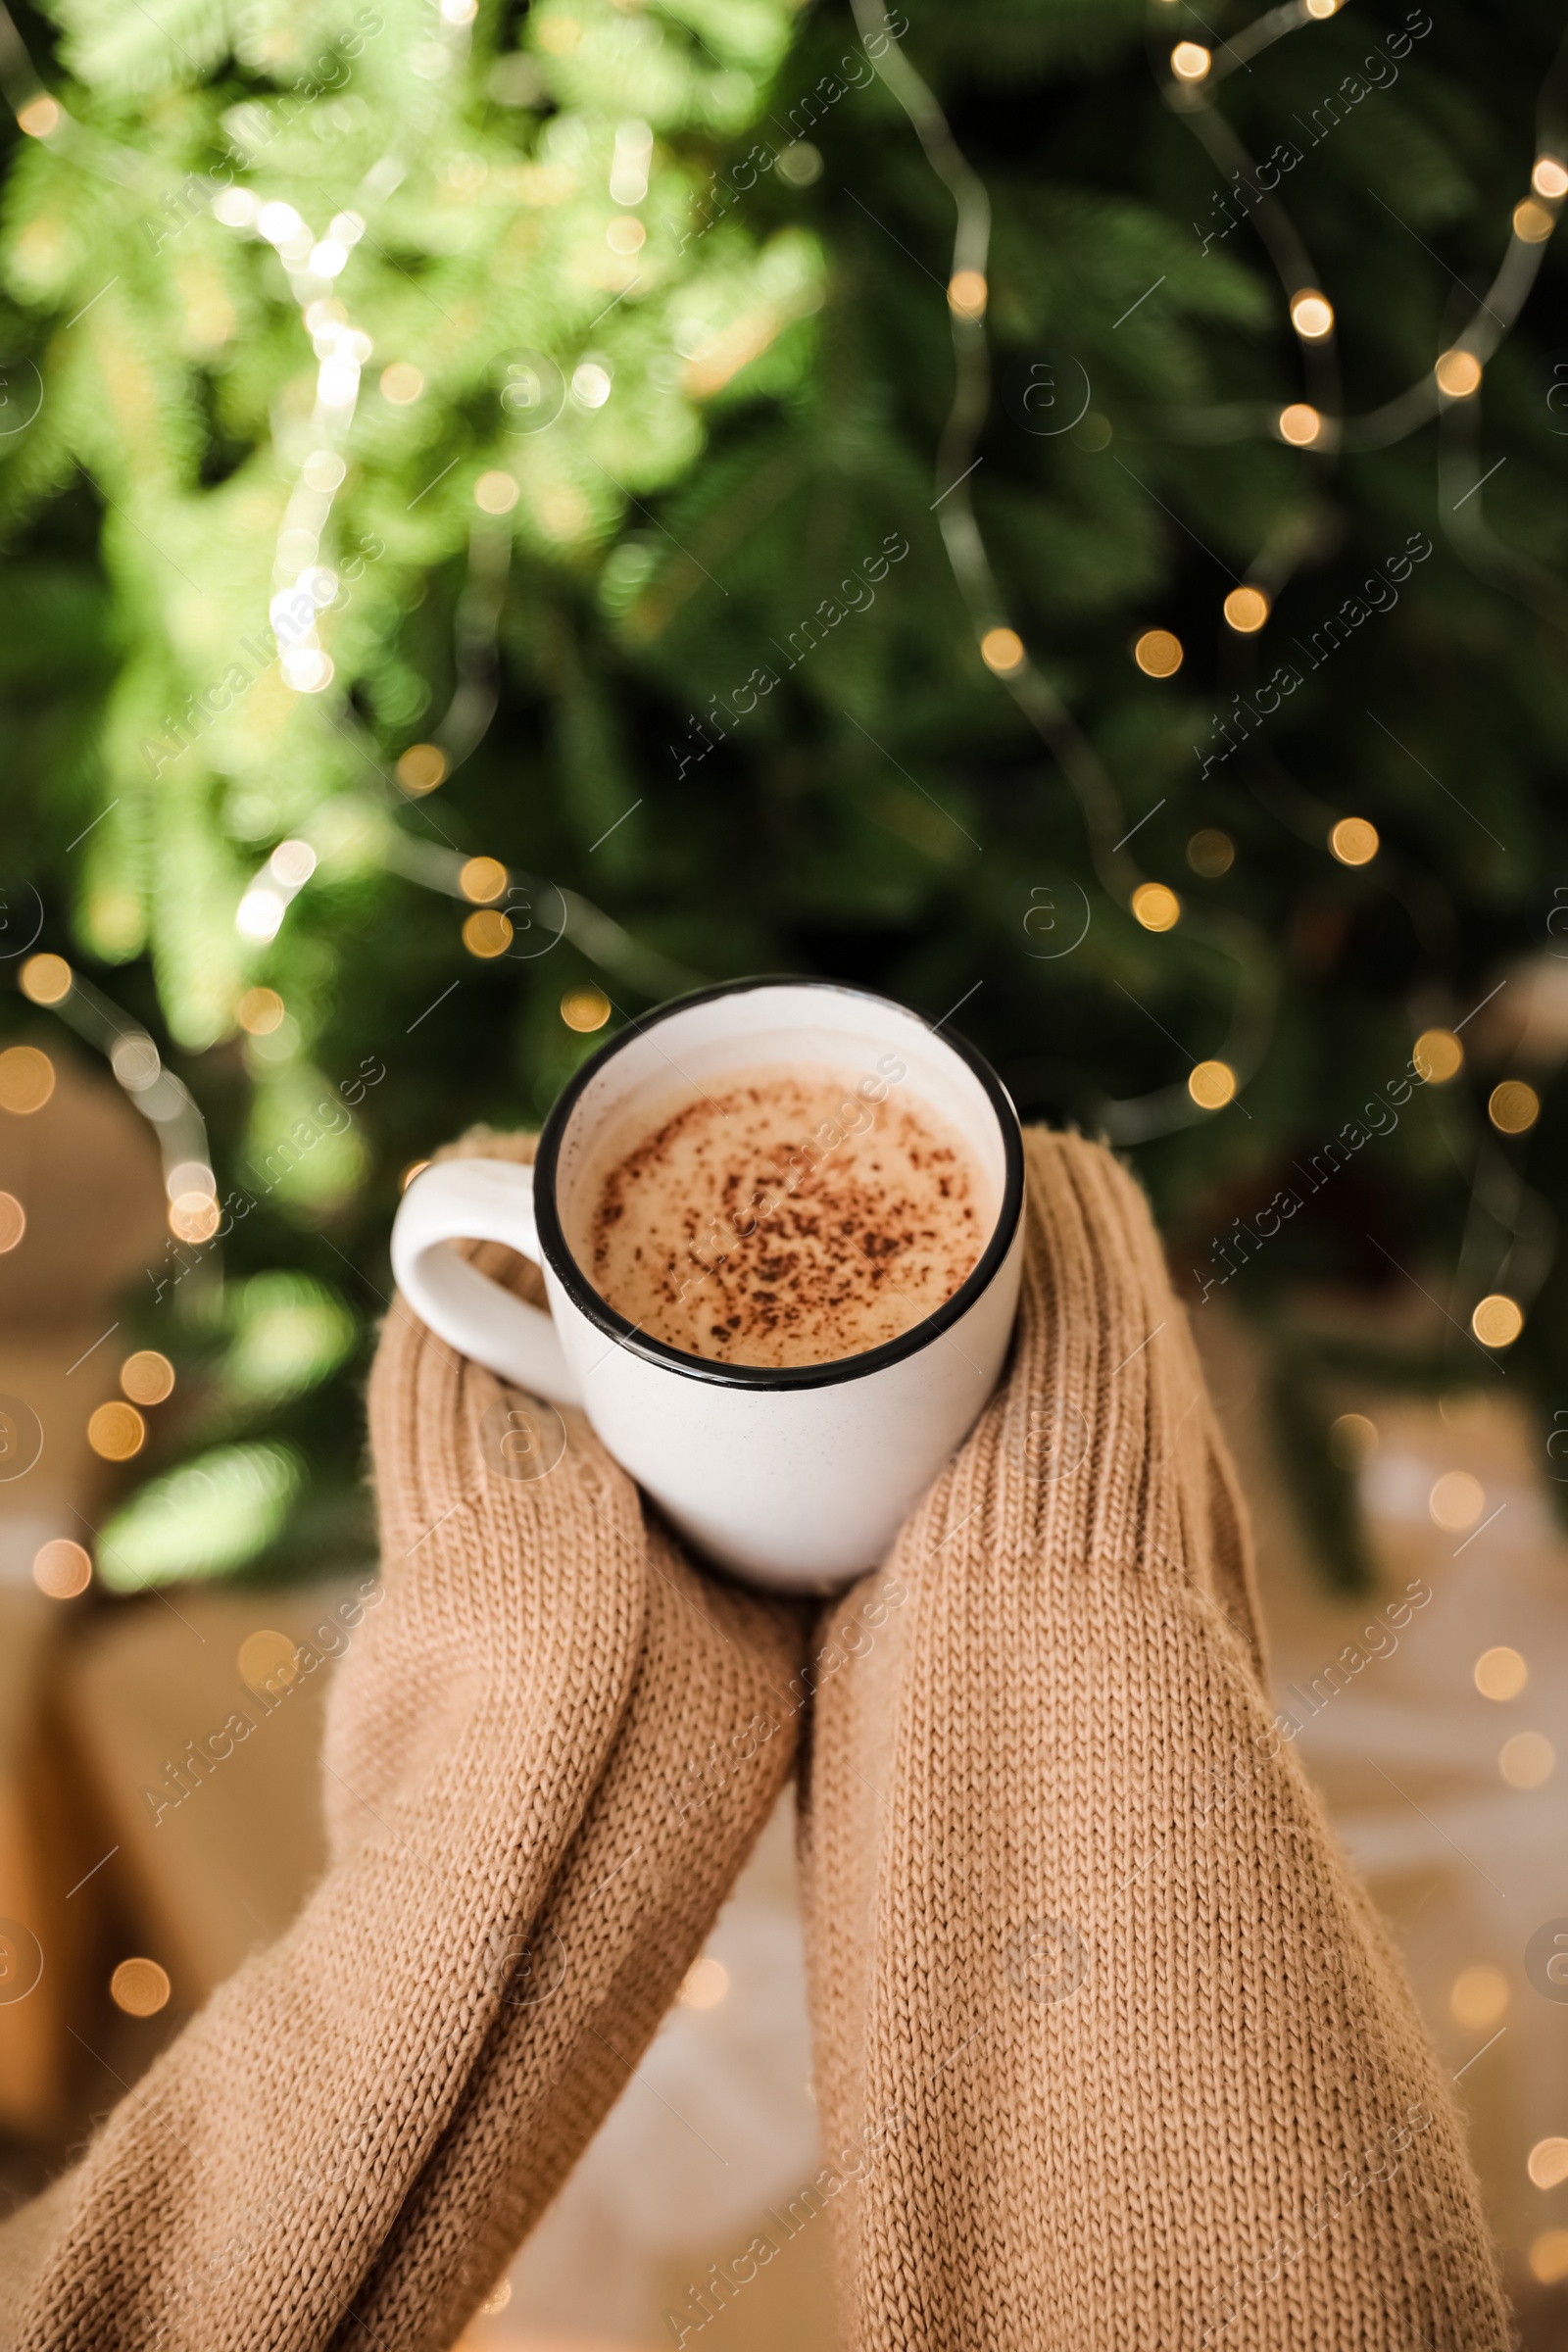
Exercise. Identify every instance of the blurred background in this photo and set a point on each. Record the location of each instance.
(1051, 511)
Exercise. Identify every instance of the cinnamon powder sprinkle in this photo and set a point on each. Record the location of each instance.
(788, 1220)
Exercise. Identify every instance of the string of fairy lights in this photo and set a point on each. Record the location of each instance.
(1320, 429)
(46, 979)
(318, 267)
(1450, 392)
(1213, 1081)
(304, 587)
(1193, 73)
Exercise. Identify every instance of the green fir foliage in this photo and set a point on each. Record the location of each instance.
(570, 391)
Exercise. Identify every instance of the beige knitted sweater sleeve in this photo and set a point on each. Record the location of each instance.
(543, 1771)
(1113, 2050)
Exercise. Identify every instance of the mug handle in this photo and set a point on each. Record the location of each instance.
(479, 1200)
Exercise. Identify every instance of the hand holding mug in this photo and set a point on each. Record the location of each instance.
(794, 1474)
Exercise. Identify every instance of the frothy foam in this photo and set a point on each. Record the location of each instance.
(779, 1218)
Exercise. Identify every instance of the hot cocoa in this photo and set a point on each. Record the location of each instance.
(776, 1216)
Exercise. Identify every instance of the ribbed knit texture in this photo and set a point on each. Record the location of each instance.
(368, 2116)
(1111, 2048)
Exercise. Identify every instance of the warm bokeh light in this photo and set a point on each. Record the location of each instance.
(193, 1216)
(1548, 2162)
(495, 493)
(46, 979)
(1458, 374)
(1211, 1084)
(267, 1661)
(1456, 1501)
(592, 385)
(1533, 224)
(1354, 841)
(116, 1430)
(422, 767)
(482, 879)
(705, 1984)
(1479, 1996)
(1190, 60)
(1301, 424)
(1438, 1055)
(1550, 178)
(1514, 1108)
(585, 1008)
(40, 116)
(416, 1167)
(1247, 610)
(1500, 1673)
(1156, 908)
(401, 383)
(135, 1060)
(13, 1222)
(293, 862)
(800, 165)
(140, 1987)
(62, 1569)
(1498, 1320)
(27, 1079)
(261, 911)
(324, 470)
(1002, 650)
(497, 2299)
(1159, 653)
(259, 1011)
(1322, 8)
(1210, 852)
(278, 222)
(487, 933)
(1527, 1760)
(147, 1378)
(966, 293)
(1312, 315)
(1548, 2257)
(1352, 1441)
(190, 1176)
(308, 670)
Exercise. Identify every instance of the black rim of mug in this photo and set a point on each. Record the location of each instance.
(580, 1290)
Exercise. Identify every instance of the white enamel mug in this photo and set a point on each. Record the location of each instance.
(797, 1479)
